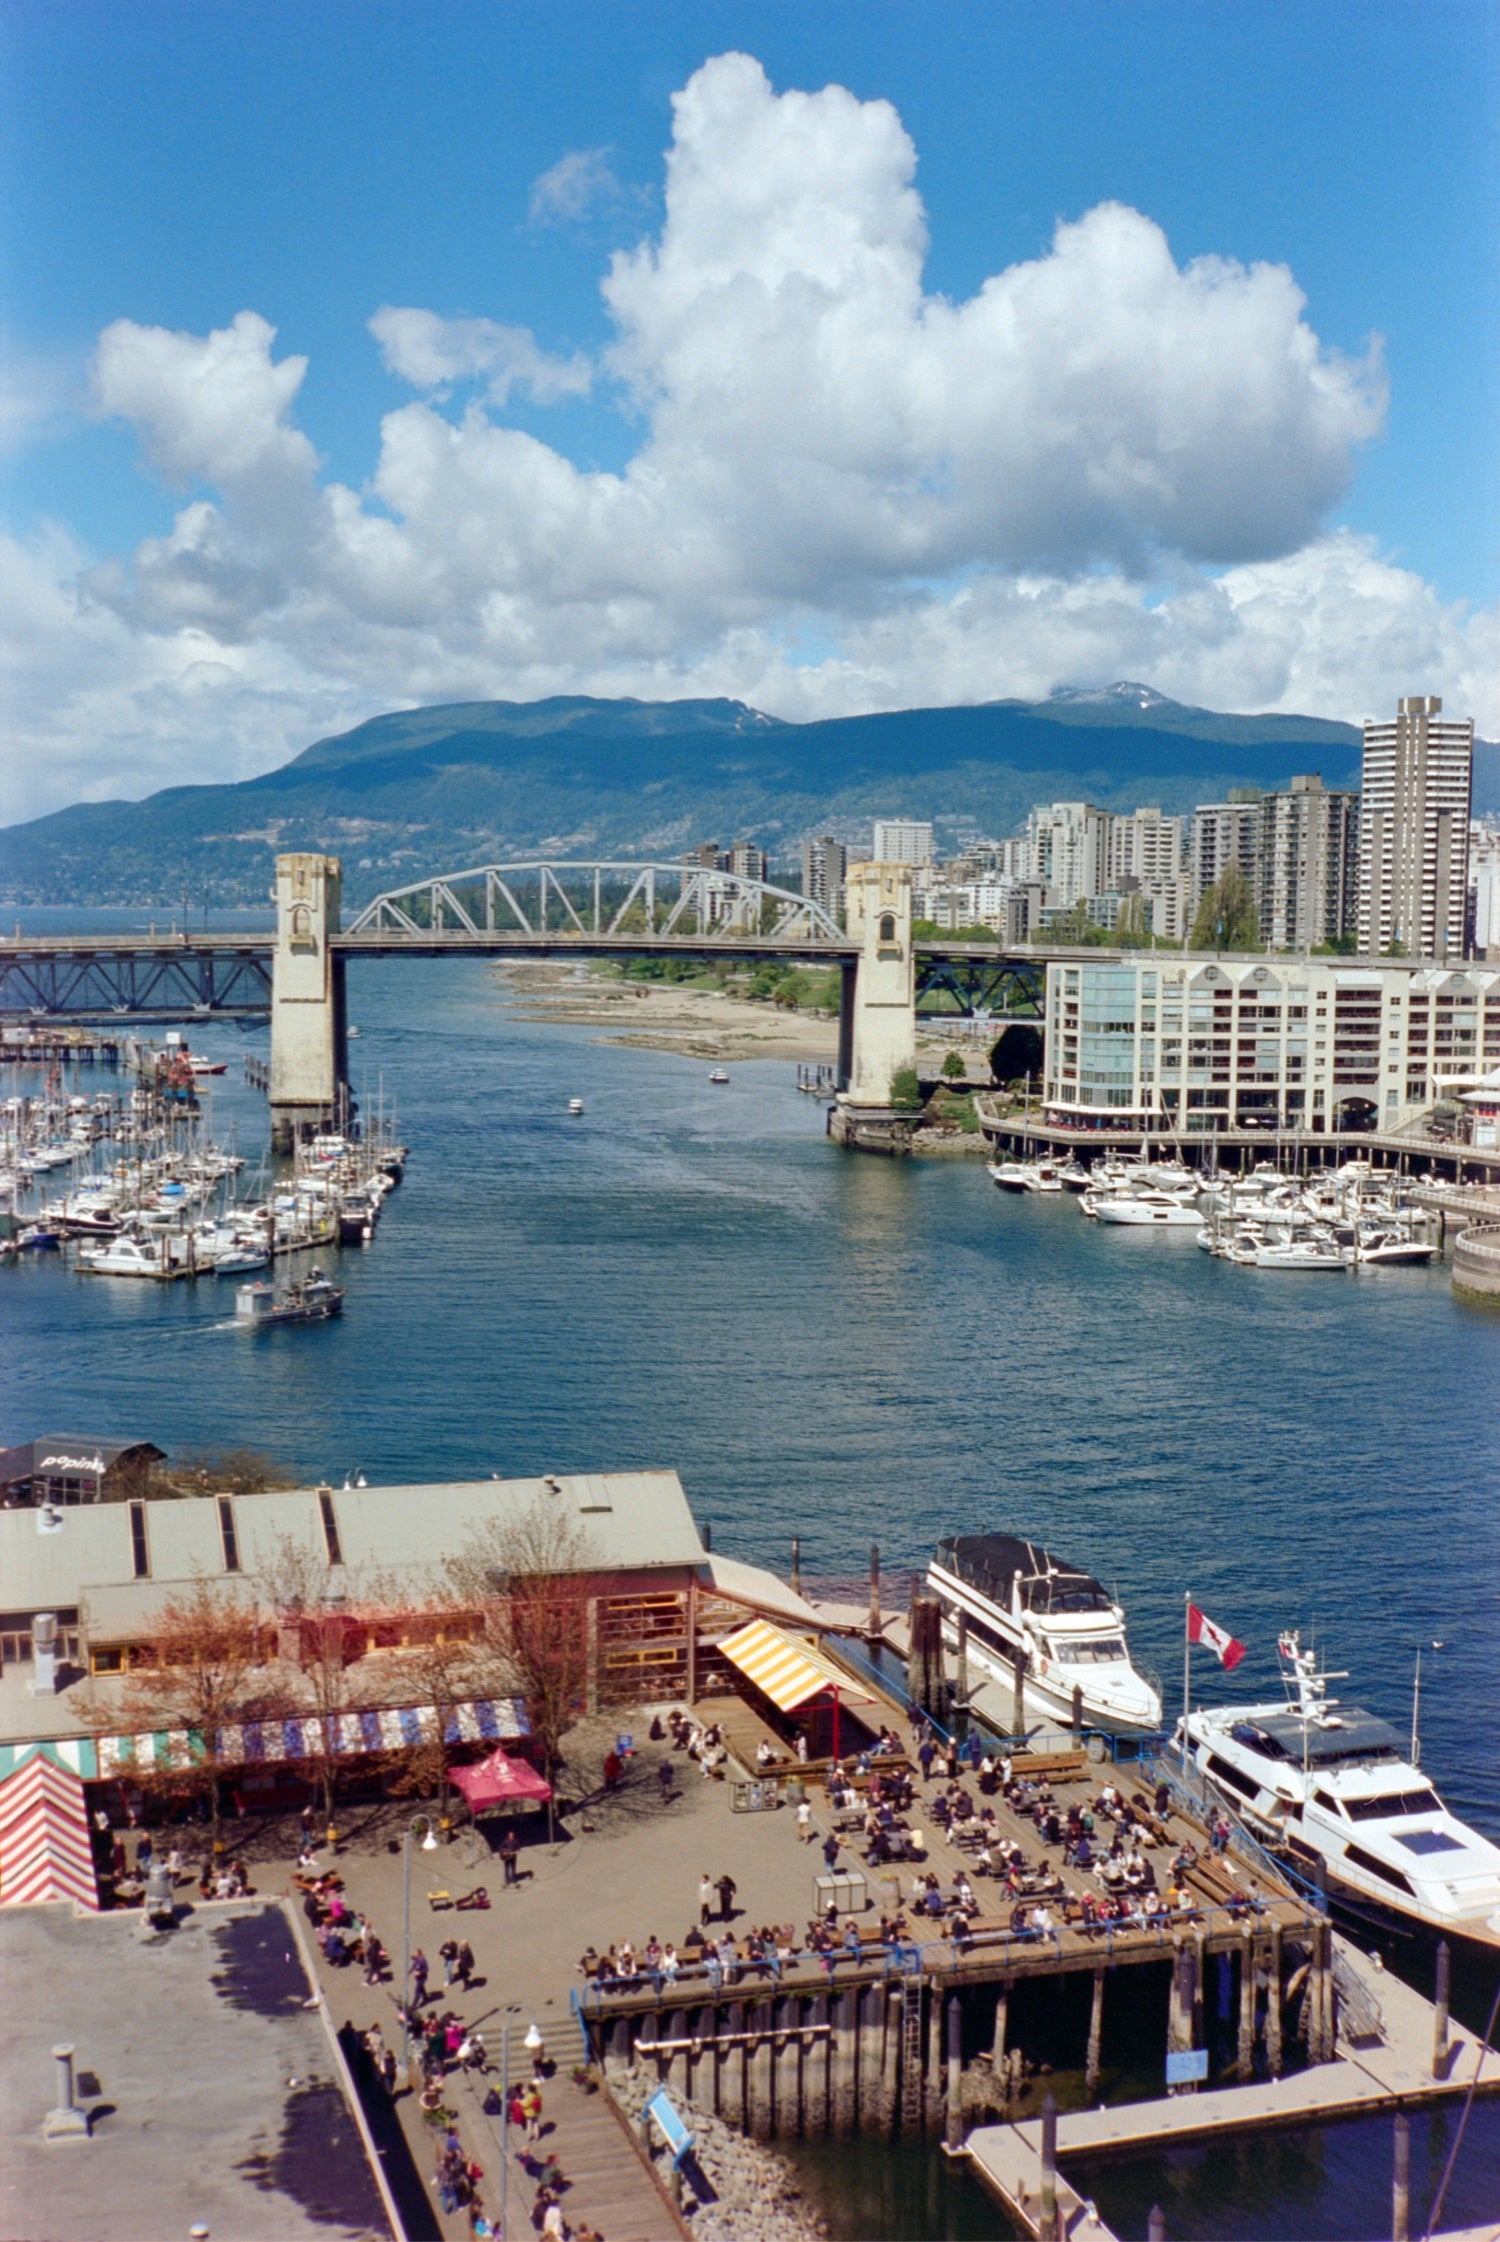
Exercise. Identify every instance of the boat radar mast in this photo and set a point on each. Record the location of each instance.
(1307, 1687)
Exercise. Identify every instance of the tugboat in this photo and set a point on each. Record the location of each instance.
(1341, 1796)
(1023, 1604)
(311, 1300)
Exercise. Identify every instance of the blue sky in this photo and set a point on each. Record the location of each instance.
(171, 167)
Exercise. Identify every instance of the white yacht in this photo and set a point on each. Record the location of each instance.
(1144, 1207)
(1338, 1792)
(1071, 1632)
(1027, 1175)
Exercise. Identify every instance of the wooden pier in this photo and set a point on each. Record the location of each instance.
(924, 2033)
(1390, 2069)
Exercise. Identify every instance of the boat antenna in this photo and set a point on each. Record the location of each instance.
(1416, 1700)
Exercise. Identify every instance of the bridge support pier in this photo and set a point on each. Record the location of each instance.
(309, 1025)
(878, 1011)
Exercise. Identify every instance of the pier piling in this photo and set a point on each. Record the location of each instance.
(1047, 2226)
(1156, 2224)
(874, 1625)
(1401, 2181)
(1096, 2030)
(1440, 2011)
(997, 2045)
(954, 2134)
(1273, 2006)
(1248, 1973)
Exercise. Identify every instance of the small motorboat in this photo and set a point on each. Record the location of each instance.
(718, 1075)
(240, 1259)
(207, 1066)
(312, 1300)
(575, 1105)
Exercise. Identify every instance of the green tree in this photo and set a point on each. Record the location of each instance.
(906, 1090)
(955, 1066)
(1133, 926)
(1227, 917)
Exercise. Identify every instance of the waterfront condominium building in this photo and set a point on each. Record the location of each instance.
(1414, 832)
(901, 840)
(1307, 872)
(824, 862)
(1202, 1043)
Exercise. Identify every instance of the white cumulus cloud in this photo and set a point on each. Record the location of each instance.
(431, 353)
(580, 182)
(846, 491)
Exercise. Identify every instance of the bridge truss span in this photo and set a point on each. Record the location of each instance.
(600, 901)
(113, 978)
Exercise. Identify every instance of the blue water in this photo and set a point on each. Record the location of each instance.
(849, 1349)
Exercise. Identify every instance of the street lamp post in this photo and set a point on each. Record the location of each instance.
(429, 1845)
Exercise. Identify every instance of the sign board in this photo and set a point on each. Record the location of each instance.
(1187, 2066)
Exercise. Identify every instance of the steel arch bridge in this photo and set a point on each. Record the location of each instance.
(608, 900)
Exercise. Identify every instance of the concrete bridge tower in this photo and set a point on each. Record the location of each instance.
(309, 1030)
(881, 1036)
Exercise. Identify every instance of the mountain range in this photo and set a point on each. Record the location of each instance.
(435, 789)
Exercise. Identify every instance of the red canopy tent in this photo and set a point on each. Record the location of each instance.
(498, 1781)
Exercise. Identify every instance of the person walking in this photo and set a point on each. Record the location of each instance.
(727, 1888)
(448, 1956)
(509, 1848)
(464, 1965)
(830, 1852)
(419, 1968)
(926, 1752)
(531, 2110)
(666, 1781)
(705, 1899)
(804, 1822)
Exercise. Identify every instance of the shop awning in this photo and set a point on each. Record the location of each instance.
(75, 1752)
(498, 1781)
(264, 1742)
(790, 1671)
(44, 1836)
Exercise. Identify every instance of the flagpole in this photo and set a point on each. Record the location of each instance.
(1187, 1667)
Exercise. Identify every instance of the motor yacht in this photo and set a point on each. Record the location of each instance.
(1342, 1796)
(1145, 1207)
(1027, 1175)
(1297, 1253)
(1020, 1601)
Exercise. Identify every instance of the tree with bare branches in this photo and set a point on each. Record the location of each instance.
(203, 1676)
(531, 1575)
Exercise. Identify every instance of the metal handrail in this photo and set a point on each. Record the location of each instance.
(1161, 1771)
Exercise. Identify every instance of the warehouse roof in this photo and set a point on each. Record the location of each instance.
(85, 1557)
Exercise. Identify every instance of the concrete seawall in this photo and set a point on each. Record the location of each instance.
(1476, 1260)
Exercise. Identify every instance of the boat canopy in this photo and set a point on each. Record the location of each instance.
(991, 1562)
(1351, 1735)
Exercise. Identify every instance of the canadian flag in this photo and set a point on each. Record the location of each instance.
(1201, 1629)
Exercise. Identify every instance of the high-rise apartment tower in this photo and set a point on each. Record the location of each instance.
(1414, 832)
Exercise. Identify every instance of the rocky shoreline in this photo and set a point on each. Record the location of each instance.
(756, 2195)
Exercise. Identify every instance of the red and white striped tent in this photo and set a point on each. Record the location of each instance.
(44, 1836)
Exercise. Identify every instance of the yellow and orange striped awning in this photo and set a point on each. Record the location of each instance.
(789, 1670)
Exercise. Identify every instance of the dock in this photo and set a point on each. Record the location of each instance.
(1031, 1134)
(1392, 2070)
